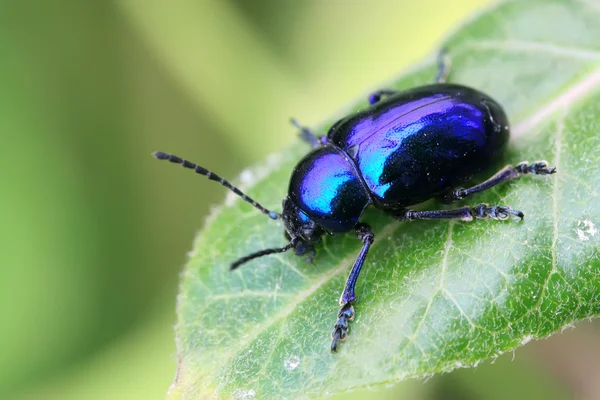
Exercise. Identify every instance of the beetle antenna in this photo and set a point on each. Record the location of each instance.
(261, 253)
(214, 177)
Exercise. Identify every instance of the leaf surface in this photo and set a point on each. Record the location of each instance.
(433, 296)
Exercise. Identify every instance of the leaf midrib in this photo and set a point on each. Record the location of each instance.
(574, 92)
(525, 46)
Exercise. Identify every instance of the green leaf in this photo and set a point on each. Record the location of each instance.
(433, 296)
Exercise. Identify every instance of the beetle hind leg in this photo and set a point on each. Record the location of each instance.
(495, 212)
(507, 173)
(480, 211)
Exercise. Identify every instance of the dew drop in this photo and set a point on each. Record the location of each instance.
(291, 363)
(585, 230)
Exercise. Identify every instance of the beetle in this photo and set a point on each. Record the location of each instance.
(405, 148)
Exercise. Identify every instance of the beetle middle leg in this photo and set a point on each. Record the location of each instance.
(505, 174)
(444, 63)
(346, 313)
(307, 135)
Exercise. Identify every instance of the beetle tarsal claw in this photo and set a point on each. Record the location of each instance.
(340, 329)
(500, 213)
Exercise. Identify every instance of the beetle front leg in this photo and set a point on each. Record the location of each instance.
(505, 174)
(346, 313)
(307, 135)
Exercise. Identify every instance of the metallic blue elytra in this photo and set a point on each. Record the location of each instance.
(419, 143)
(404, 149)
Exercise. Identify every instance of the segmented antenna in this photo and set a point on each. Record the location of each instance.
(265, 252)
(214, 177)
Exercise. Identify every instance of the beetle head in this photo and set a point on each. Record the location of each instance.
(300, 228)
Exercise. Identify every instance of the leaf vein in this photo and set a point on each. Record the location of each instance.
(524, 46)
(460, 310)
(245, 293)
(443, 264)
(566, 98)
(590, 5)
(560, 126)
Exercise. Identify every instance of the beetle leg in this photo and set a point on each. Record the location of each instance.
(444, 62)
(495, 212)
(505, 174)
(303, 248)
(307, 135)
(376, 96)
(313, 253)
(340, 329)
(346, 313)
(463, 214)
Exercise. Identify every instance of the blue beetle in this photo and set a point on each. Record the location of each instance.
(407, 147)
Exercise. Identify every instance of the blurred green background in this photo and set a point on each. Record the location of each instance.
(95, 232)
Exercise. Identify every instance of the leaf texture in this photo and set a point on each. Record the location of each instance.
(433, 296)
